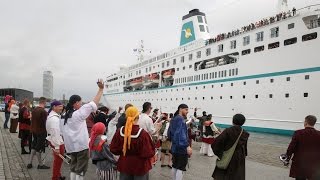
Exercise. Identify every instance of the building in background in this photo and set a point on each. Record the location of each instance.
(17, 94)
(48, 84)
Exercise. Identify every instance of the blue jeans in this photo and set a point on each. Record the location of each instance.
(7, 116)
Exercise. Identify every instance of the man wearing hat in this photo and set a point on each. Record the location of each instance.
(55, 139)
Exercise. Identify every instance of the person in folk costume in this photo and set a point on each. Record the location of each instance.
(24, 126)
(14, 116)
(100, 153)
(135, 147)
(209, 131)
(166, 144)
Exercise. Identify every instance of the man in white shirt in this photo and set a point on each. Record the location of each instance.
(75, 133)
(145, 122)
(55, 139)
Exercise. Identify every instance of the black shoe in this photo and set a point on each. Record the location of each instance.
(163, 165)
(43, 167)
(62, 178)
(170, 166)
(29, 166)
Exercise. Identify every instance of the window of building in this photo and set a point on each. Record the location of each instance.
(174, 61)
(306, 77)
(274, 32)
(309, 37)
(208, 51)
(314, 23)
(245, 52)
(220, 48)
(290, 41)
(270, 95)
(246, 40)
(291, 26)
(260, 36)
(258, 49)
(287, 95)
(305, 94)
(200, 20)
(233, 44)
(190, 57)
(273, 45)
(288, 78)
(199, 54)
(182, 59)
(202, 28)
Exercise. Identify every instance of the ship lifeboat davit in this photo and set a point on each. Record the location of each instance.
(152, 80)
(137, 82)
(168, 74)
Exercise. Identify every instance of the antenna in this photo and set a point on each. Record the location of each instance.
(140, 52)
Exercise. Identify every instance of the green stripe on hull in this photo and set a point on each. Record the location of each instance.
(262, 130)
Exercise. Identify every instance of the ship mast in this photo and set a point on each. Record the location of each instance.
(282, 6)
(140, 52)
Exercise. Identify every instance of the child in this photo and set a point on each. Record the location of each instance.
(101, 155)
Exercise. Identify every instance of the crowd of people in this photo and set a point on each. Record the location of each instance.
(125, 145)
(252, 26)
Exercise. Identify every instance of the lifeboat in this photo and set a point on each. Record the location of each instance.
(152, 80)
(168, 74)
(136, 82)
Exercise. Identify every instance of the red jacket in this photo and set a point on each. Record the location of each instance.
(137, 160)
(305, 147)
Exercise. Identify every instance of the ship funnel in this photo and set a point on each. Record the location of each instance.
(194, 27)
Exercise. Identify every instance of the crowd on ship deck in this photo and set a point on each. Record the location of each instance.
(253, 26)
(114, 141)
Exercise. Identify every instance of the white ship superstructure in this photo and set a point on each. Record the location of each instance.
(269, 71)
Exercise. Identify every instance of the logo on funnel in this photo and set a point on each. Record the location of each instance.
(187, 33)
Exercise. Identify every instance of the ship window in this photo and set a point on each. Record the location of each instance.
(168, 63)
(182, 59)
(215, 75)
(182, 99)
(246, 40)
(245, 52)
(184, 68)
(219, 73)
(190, 66)
(202, 28)
(189, 88)
(306, 77)
(188, 98)
(212, 86)
(305, 94)
(244, 83)
(257, 96)
(233, 72)
(196, 87)
(308, 37)
(273, 45)
(221, 85)
(199, 54)
(230, 97)
(146, 70)
(291, 26)
(195, 98)
(220, 48)
(207, 29)
(231, 84)
(290, 41)
(177, 69)
(270, 95)
(288, 78)
(204, 87)
(287, 95)
(211, 98)
(258, 49)
(200, 20)
(236, 71)
(203, 98)
(208, 51)
(233, 44)
(150, 68)
(163, 65)
(244, 96)
(229, 72)
(190, 57)
(274, 32)
(205, 19)
(257, 81)
(174, 61)
(220, 97)
(260, 36)
(271, 80)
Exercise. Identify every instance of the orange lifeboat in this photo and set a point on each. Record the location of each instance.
(168, 74)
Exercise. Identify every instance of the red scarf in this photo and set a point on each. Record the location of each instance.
(97, 129)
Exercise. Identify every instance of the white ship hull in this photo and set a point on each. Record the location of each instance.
(275, 89)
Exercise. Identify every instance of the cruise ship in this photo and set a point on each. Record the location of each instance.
(267, 70)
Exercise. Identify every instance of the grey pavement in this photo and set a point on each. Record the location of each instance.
(262, 162)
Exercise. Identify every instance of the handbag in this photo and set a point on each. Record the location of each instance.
(224, 162)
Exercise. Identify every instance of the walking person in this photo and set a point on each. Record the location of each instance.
(14, 116)
(24, 126)
(180, 148)
(101, 155)
(166, 144)
(234, 135)
(39, 133)
(7, 112)
(112, 126)
(145, 121)
(55, 139)
(305, 149)
(135, 147)
(75, 132)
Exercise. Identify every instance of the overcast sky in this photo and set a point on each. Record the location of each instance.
(82, 40)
